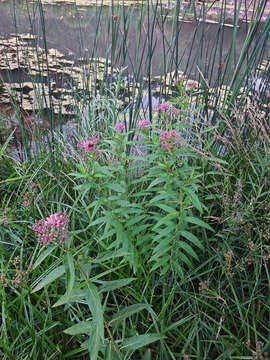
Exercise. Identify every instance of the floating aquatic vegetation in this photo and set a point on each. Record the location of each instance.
(48, 79)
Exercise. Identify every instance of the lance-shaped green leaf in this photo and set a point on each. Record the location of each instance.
(53, 275)
(115, 284)
(191, 237)
(199, 222)
(110, 255)
(93, 343)
(127, 312)
(44, 255)
(70, 272)
(94, 303)
(83, 327)
(75, 295)
(137, 342)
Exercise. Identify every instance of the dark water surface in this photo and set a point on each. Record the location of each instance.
(74, 32)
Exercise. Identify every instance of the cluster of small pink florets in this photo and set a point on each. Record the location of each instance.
(89, 145)
(144, 124)
(120, 126)
(167, 107)
(52, 229)
(168, 139)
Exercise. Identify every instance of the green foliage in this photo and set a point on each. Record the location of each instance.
(142, 273)
(154, 217)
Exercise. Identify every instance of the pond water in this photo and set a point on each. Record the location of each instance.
(74, 31)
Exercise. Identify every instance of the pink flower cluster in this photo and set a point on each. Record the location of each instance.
(89, 145)
(53, 228)
(120, 126)
(144, 124)
(168, 139)
(175, 111)
(163, 106)
(167, 107)
(191, 83)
